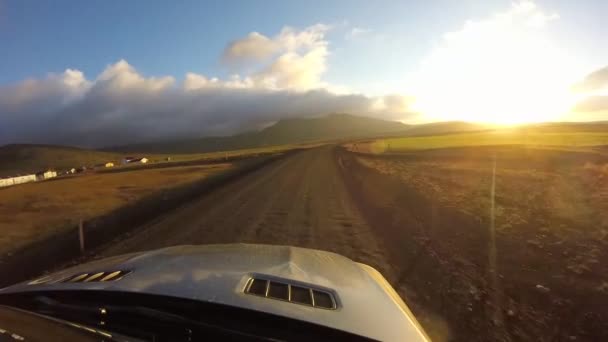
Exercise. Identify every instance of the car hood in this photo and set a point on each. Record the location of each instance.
(367, 304)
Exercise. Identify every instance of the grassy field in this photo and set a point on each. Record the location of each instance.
(37, 210)
(496, 137)
(23, 159)
(550, 228)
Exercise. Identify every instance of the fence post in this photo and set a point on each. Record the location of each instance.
(81, 236)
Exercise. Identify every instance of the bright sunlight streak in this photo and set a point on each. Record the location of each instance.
(503, 70)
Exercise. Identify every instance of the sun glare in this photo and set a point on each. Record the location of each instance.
(504, 70)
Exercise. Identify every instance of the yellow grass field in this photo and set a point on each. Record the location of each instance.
(24, 159)
(498, 137)
(37, 210)
(536, 215)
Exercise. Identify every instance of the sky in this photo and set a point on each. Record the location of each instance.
(114, 72)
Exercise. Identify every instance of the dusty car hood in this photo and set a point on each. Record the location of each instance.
(367, 304)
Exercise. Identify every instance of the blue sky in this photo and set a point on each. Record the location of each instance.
(172, 38)
(394, 54)
(163, 37)
(158, 37)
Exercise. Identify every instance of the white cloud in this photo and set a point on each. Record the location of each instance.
(594, 103)
(394, 103)
(54, 90)
(120, 105)
(255, 46)
(504, 68)
(292, 60)
(311, 37)
(122, 75)
(294, 71)
(357, 32)
(595, 82)
(193, 82)
(123, 106)
(593, 95)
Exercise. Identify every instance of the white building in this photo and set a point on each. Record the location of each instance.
(17, 180)
(42, 175)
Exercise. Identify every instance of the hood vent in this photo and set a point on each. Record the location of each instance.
(96, 277)
(298, 294)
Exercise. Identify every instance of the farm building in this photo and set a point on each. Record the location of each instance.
(42, 175)
(17, 180)
(24, 179)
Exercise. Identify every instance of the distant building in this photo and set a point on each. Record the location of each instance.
(5, 182)
(109, 164)
(17, 180)
(24, 179)
(42, 175)
(72, 170)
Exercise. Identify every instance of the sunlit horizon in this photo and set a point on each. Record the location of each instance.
(503, 64)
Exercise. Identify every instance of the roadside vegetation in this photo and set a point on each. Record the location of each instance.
(549, 225)
(35, 211)
(527, 137)
(23, 159)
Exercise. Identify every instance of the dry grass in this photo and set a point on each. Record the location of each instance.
(37, 210)
(569, 139)
(561, 191)
(551, 223)
(24, 159)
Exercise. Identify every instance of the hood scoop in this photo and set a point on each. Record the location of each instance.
(291, 292)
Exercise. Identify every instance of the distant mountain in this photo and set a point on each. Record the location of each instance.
(283, 132)
(23, 159)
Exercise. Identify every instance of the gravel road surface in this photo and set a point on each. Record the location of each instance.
(300, 200)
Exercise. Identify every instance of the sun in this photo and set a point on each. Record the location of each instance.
(504, 104)
(507, 69)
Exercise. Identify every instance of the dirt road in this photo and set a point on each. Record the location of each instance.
(435, 255)
(300, 200)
